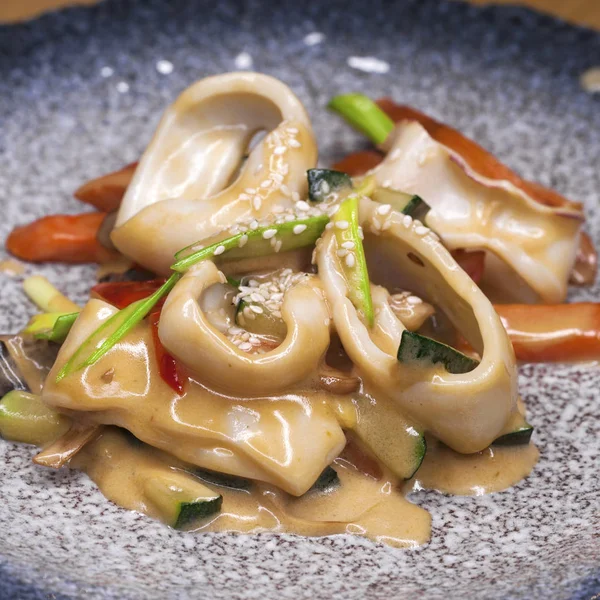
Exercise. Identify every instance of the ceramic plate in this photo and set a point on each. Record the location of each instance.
(80, 94)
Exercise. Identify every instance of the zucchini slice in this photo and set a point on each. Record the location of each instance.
(25, 418)
(518, 432)
(407, 204)
(327, 481)
(222, 479)
(264, 323)
(181, 499)
(53, 327)
(322, 182)
(426, 352)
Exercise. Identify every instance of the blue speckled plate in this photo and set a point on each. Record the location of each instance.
(80, 94)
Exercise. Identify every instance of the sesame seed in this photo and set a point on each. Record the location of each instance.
(387, 183)
(285, 190)
(250, 191)
(342, 224)
(407, 220)
(243, 197)
(235, 330)
(386, 226)
(243, 241)
(253, 283)
(269, 233)
(254, 340)
(245, 346)
(292, 130)
(434, 236)
(294, 144)
(395, 154)
(254, 225)
(384, 209)
(278, 245)
(350, 261)
(361, 234)
(298, 229)
(278, 209)
(329, 225)
(279, 150)
(266, 183)
(302, 205)
(295, 196)
(257, 202)
(219, 250)
(422, 230)
(376, 225)
(257, 309)
(348, 245)
(342, 252)
(414, 300)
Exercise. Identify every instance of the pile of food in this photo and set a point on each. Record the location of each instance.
(275, 346)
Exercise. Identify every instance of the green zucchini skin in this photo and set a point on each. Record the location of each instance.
(322, 182)
(222, 479)
(420, 451)
(194, 511)
(327, 481)
(416, 348)
(417, 208)
(519, 437)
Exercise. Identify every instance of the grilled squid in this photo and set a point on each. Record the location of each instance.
(467, 411)
(189, 184)
(535, 246)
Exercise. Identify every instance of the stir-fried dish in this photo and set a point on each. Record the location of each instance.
(276, 346)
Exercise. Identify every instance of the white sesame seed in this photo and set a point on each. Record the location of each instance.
(386, 225)
(253, 283)
(342, 224)
(235, 330)
(254, 340)
(254, 225)
(256, 297)
(277, 314)
(122, 87)
(417, 223)
(298, 229)
(434, 236)
(245, 346)
(395, 154)
(266, 183)
(243, 197)
(294, 144)
(361, 234)
(219, 250)
(278, 245)
(342, 252)
(387, 183)
(414, 300)
(384, 209)
(289, 218)
(277, 209)
(164, 67)
(329, 225)
(348, 245)
(243, 241)
(295, 196)
(243, 61)
(250, 191)
(269, 233)
(422, 230)
(302, 205)
(257, 309)
(350, 261)
(285, 190)
(292, 130)
(279, 150)
(407, 220)
(376, 225)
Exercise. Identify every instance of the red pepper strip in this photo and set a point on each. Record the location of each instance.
(167, 365)
(106, 192)
(124, 293)
(60, 238)
(358, 163)
(473, 263)
(553, 333)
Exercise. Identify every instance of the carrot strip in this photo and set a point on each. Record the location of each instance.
(553, 333)
(123, 293)
(60, 238)
(473, 263)
(106, 192)
(358, 163)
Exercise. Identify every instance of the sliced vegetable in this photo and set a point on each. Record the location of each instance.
(416, 348)
(327, 481)
(322, 182)
(517, 432)
(167, 366)
(60, 238)
(63, 449)
(180, 499)
(358, 163)
(10, 376)
(53, 327)
(46, 296)
(351, 252)
(408, 204)
(264, 323)
(385, 434)
(255, 242)
(25, 418)
(123, 293)
(106, 192)
(553, 332)
(113, 330)
(473, 263)
(222, 479)
(363, 114)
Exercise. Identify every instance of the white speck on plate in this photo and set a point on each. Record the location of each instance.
(164, 67)
(106, 71)
(368, 64)
(122, 87)
(590, 80)
(243, 61)
(314, 38)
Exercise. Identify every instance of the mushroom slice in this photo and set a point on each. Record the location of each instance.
(539, 243)
(466, 411)
(182, 191)
(189, 336)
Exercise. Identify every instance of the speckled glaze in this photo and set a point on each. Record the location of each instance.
(507, 77)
